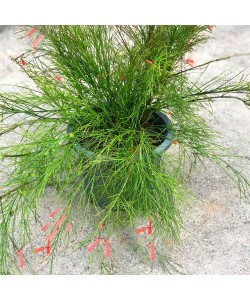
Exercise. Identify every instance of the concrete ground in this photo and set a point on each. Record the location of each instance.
(217, 235)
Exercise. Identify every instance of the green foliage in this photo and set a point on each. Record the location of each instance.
(106, 82)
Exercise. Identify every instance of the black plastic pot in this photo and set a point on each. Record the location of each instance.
(160, 120)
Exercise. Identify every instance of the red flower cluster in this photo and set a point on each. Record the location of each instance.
(99, 240)
(53, 232)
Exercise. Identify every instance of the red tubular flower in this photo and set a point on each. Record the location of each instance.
(48, 247)
(59, 222)
(91, 246)
(23, 62)
(54, 212)
(37, 40)
(29, 33)
(101, 225)
(49, 237)
(123, 77)
(149, 62)
(45, 227)
(36, 250)
(107, 251)
(68, 227)
(20, 258)
(139, 230)
(58, 78)
(190, 62)
(151, 251)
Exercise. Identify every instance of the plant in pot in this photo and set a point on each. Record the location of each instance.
(108, 103)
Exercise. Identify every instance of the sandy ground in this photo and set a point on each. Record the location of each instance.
(217, 235)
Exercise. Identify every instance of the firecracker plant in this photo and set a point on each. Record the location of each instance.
(89, 130)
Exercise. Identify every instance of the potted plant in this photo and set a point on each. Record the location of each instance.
(109, 102)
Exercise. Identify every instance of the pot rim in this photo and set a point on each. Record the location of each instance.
(168, 136)
(158, 150)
